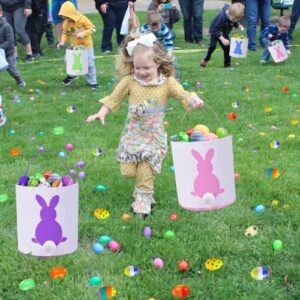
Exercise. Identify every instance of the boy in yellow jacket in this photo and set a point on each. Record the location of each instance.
(80, 29)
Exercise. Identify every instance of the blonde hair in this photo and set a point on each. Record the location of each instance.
(153, 18)
(284, 21)
(236, 10)
(124, 62)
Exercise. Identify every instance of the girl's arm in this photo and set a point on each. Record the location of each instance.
(99, 115)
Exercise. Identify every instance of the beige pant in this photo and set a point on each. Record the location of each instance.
(143, 173)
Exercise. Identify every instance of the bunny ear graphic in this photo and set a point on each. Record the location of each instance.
(54, 201)
(209, 155)
(197, 155)
(41, 201)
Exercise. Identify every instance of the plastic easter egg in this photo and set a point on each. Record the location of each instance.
(40, 177)
(174, 138)
(221, 132)
(3, 197)
(41, 149)
(33, 182)
(198, 83)
(131, 271)
(172, 169)
(272, 173)
(58, 272)
(235, 104)
(27, 284)
(185, 84)
(275, 202)
(58, 130)
(71, 109)
(14, 152)
(101, 213)
(259, 209)
(196, 136)
(56, 183)
(31, 98)
(180, 291)
(12, 132)
(67, 180)
(147, 231)
(47, 174)
(213, 264)
(201, 128)
(183, 137)
(268, 109)
(275, 144)
(260, 273)
(107, 292)
(173, 217)
(294, 121)
(15, 98)
(291, 136)
(251, 231)
(169, 234)
(94, 280)
(98, 248)
(109, 85)
(245, 89)
(210, 136)
(284, 89)
(81, 175)
(23, 180)
(277, 245)
(190, 131)
(62, 154)
(104, 239)
(114, 246)
(97, 152)
(126, 217)
(101, 188)
(80, 164)
(158, 263)
(232, 116)
(30, 91)
(69, 147)
(49, 247)
(183, 265)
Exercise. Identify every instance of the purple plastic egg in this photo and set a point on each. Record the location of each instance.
(67, 180)
(81, 175)
(23, 180)
(147, 232)
(69, 147)
(80, 164)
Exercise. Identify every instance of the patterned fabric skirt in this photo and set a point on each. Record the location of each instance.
(143, 137)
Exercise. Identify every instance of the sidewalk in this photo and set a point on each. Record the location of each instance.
(88, 6)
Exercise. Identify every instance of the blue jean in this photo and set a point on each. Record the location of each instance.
(294, 17)
(192, 11)
(256, 9)
(112, 20)
(266, 53)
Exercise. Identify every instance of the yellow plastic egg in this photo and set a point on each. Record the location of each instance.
(213, 264)
(251, 231)
(201, 128)
(101, 213)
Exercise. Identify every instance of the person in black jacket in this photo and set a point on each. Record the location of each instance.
(220, 28)
(34, 25)
(7, 44)
(112, 13)
(16, 13)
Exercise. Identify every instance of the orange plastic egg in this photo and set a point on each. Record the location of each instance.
(58, 272)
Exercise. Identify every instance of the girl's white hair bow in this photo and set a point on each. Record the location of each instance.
(145, 40)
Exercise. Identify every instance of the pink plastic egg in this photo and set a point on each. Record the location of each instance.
(210, 136)
(114, 246)
(69, 147)
(158, 263)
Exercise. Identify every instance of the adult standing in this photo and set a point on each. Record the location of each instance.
(112, 13)
(256, 9)
(294, 17)
(16, 13)
(192, 11)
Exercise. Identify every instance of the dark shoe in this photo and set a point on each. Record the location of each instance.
(29, 58)
(106, 51)
(200, 43)
(203, 63)
(94, 87)
(35, 55)
(21, 84)
(68, 80)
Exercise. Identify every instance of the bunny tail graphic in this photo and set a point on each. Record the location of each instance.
(205, 182)
(48, 229)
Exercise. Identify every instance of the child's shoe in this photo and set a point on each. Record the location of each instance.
(94, 87)
(203, 63)
(68, 80)
(21, 84)
(29, 58)
(262, 61)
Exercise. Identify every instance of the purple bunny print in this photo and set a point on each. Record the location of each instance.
(206, 181)
(238, 48)
(48, 229)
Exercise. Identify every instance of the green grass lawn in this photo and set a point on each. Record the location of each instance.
(199, 235)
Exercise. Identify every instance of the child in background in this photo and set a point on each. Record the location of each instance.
(2, 116)
(7, 44)
(163, 35)
(275, 32)
(168, 11)
(219, 31)
(148, 83)
(80, 29)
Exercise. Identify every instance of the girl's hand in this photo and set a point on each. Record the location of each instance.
(100, 115)
(196, 102)
(27, 12)
(103, 8)
(270, 35)
(241, 27)
(288, 52)
(60, 44)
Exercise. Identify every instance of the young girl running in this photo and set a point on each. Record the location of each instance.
(148, 82)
